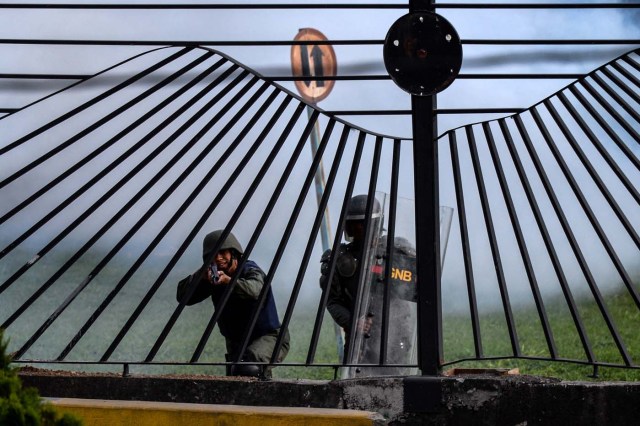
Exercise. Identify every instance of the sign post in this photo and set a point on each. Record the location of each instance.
(319, 61)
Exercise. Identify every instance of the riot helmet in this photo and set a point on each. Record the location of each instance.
(356, 217)
(211, 239)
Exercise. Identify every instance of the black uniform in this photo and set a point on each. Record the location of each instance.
(344, 285)
(341, 302)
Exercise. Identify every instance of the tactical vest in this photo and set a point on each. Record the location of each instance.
(237, 312)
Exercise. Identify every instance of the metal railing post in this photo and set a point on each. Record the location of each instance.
(425, 164)
(427, 217)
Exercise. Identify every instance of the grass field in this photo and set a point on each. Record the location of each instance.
(458, 341)
(183, 338)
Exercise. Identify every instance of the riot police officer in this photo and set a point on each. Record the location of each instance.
(369, 259)
(341, 303)
(237, 312)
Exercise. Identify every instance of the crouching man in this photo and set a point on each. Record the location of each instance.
(236, 315)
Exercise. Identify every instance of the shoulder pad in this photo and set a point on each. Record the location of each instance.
(325, 256)
(342, 249)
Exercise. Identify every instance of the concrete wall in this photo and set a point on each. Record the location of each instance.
(482, 400)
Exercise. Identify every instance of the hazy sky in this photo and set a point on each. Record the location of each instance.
(335, 24)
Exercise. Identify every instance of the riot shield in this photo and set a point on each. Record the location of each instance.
(401, 334)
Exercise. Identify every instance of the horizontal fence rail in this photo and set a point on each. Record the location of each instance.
(40, 82)
(309, 5)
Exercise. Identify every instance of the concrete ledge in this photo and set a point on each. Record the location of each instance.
(467, 399)
(188, 389)
(140, 413)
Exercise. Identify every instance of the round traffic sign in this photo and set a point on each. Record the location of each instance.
(313, 60)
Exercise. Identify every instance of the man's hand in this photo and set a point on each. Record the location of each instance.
(222, 278)
(364, 324)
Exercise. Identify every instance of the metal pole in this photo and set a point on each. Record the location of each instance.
(427, 217)
(325, 229)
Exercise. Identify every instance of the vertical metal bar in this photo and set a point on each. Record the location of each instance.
(391, 237)
(572, 240)
(522, 245)
(493, 242)
(336, 245)
(304, 190)
(368, 236)
(427, 217)
(598, 145)
(322, 206)
(587, 164)
(605, 126)
(92, 102)
(466, 251)
(580, 195)
(546, 236)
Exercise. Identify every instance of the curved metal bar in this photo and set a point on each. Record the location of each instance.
(121, 243)
(581, 197)
(311, 240)
(598, 145)
(322, 305)
(114, 139)
(224, 298)
(87, 104)
(572, 240)
(242, 205)
(464, 240)
(129, 175)
(522, 245)
(493, 242)
(546, 236)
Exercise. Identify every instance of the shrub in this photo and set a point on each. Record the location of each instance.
(22, 406)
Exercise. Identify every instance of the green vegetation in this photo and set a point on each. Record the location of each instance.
(185, 335)
(22, 406)
(458, 340)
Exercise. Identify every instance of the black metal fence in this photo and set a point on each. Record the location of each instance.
(108, 191)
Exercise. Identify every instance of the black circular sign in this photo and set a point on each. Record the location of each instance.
(422, 53)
